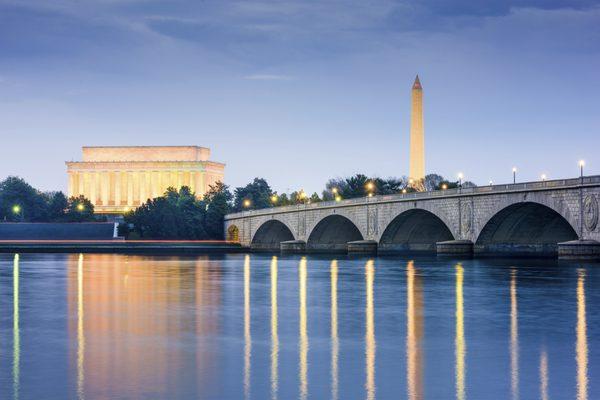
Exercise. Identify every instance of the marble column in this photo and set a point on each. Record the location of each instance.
(72, 183)
(79, 183)
(148, 185)
(117, 188)
(104, 187)
(129, 188)
(86, 184)
(93, 192)
(142, 184)
(193, 181)
(179, 180)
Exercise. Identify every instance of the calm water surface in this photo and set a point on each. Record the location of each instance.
(257, 326)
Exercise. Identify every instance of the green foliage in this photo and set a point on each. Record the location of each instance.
(257, 193)
(217, 200)
(314, 198)
(19, 201)
(79, 209)
(175, 215)
(57, 205)
(180, 215)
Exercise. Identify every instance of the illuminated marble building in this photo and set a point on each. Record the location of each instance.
(116, 179)
(417, 134)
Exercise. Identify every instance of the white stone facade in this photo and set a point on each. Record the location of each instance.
(118, 179)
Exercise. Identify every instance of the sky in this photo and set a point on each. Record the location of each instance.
(298, 92)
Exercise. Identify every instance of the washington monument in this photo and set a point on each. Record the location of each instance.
(417, 134)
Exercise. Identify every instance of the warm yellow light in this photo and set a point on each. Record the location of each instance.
(334, 190)
(370, 185)
(126, 209)
(403, 190)
(410, 181)
(16, 209)
(370, 195)
(338, 198)
(581, 163)
(274, 198)
(302, 194)
(247, 203)
(444, 186)
(80, 207)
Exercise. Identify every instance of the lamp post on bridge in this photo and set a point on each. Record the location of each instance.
(514, 171)
(581, 165)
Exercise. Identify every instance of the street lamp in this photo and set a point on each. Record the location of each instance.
(491, 183)
(274, 199)
(514, 170)
(444, 186)
(18, 211)
(247, 203)
(581, 165)
(80, 207)
(338, 198)
(543, 177)
(460, 178)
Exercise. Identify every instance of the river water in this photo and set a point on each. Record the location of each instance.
(262, 327)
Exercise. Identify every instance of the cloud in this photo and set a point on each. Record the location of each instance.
(268, 77)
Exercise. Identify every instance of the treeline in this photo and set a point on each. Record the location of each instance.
(258, 194)
(178, 214)
(20, 202)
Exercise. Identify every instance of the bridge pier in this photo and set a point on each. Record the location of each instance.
(454, 247)
(362, 247)
(293, 246)
(579, 250)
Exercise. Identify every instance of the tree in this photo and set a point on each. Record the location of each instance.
(283, 200)
(57, 206)
(79, 209)
(258, 193)
(217, 200)
(433, 182)
(389, 186)
(175, 215)
(19, 201)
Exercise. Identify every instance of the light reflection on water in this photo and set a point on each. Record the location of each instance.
(258, 326)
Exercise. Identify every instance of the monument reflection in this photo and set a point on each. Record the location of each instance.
(125, 311)
(414, 332)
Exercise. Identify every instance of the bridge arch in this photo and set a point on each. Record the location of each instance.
(415, 229)
(270, 234)
(332, 233)
(525, 228)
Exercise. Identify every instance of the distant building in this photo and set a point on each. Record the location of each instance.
(117, 179)
(417, 134)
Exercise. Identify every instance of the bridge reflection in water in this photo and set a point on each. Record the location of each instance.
(225, 327)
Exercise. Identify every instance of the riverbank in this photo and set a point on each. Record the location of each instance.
(119, 246)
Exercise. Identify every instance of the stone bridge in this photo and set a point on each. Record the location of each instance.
(524, 218)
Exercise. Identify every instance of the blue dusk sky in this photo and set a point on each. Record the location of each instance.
(301, 91)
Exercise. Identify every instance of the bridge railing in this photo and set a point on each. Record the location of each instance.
(521, 186)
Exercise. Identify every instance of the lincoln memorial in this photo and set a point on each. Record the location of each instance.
(117, 179)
